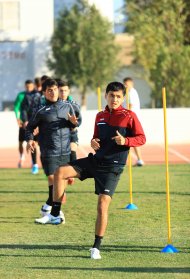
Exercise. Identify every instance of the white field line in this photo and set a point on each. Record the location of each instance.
(173, 151)
(178, 154)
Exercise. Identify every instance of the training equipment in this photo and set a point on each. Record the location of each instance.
(130, 206)
(169, 248)
(50, 219)
(95, 254)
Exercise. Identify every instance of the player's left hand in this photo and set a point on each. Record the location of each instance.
(73, 119)
(31, 144)
(119, 139)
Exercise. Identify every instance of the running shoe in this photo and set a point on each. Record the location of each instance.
(95, 254)
(50, 219)
(35, 169)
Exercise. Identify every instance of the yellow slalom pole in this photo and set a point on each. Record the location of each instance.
(99, 99)
(129, 160)
(169, 248)
(130, 206)
(167, 168)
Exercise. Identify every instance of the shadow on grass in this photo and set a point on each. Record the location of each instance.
(42, 256)
(79, 192)
(123, 269)
(108, 248)
(43, 247)
(32, 178)
(22, 201)
(23, 192)
(156, 193)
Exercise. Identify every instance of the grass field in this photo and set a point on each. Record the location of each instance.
(131, 247)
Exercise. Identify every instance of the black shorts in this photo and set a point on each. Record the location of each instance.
(21, 135)
(50, 164)
(106, 177)
(74, 136)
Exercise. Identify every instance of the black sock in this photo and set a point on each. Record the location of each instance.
(34, 157)
(97, 242)
(56, 207)
(50, 198)
(73, 156)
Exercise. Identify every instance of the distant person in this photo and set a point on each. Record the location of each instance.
(116, 130)
(29, 104)
(64, 94)
(134, 105)
(29, 86)
(38, 85)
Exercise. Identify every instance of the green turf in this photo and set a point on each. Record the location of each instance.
(131, 247)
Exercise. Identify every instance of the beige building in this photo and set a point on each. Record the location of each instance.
(26, 27)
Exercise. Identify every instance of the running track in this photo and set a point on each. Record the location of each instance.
(152, 155)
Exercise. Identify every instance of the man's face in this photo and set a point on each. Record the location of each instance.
(64, 92)
(51, 93)
(29, 87)
(128, 84)
(114, 99)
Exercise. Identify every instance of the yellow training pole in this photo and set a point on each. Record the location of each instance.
(169, 248)
(130, 205)
(99, 99)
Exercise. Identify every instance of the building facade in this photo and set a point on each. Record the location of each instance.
(25, 30)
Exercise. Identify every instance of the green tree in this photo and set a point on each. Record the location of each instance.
(83, 48)
(159, 28)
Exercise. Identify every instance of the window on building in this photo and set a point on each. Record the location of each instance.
(9, 15)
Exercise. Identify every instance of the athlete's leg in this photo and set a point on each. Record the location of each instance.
(102, 214)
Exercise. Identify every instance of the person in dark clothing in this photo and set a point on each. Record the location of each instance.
(54, 120)
(116, 130)
(64, 94)
(30, 102)
(29, 87)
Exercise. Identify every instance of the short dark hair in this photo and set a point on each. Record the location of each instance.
(62, 83)
(37, 81)
(127, 79)
(28, 81)
(115, 86)
(48, 83)
(43, 78)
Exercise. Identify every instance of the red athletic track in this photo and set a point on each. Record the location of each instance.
(152, 154)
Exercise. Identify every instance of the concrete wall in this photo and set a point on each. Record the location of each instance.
(152, 120)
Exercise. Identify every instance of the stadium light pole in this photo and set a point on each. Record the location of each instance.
(131, 205)
(169, 248)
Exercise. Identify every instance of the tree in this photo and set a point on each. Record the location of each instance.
(83, 48)
(159, 28)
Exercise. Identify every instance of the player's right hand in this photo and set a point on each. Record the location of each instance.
(95, 144)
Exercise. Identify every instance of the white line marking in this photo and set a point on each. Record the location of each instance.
(171, 150)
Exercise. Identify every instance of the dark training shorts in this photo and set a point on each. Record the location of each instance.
(74, 136)
(50, 164)
(106, 177)
(21, 135)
